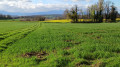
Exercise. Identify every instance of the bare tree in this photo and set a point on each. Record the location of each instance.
(73, 14)
(81, 14)
(66, 14)
(96, 12)
(100, 10)
(113, 13)
(107, 10)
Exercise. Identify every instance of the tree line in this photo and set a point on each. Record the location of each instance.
(97, 13)
(32, 18)
(4, 17)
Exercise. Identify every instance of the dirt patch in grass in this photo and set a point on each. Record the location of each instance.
(73, 42)
(92, 33)
(89, 33)
(67, 48)
(98, 37)
(86, 63)
(99, 64)
(68, 40)
(54, 51)
(39, 55)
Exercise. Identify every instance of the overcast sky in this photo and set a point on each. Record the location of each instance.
(32, 6)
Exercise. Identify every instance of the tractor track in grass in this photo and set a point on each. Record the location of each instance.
(14, 32)
(16, 35)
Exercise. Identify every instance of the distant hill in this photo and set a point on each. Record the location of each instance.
(53, 16)
(55, 12)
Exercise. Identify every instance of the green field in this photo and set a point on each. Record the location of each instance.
(37, 44)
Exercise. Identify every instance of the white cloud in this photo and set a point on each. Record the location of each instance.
(78, 0)
(27, 6)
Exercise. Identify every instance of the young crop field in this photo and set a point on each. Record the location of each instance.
(39, 44)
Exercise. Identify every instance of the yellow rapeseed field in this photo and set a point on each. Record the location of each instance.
(63, 21)
(69, 20)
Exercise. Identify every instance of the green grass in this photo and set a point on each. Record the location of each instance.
(12, 26)
(66, 45)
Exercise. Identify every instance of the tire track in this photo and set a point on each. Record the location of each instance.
(10, 39)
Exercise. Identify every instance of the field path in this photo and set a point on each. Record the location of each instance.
(12, 36)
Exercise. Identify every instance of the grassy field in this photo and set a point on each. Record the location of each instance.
(12, 26)
(59, 44)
